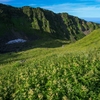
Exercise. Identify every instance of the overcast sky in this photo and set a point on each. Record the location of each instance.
(80, 8)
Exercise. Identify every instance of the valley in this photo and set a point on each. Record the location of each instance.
(59, 61)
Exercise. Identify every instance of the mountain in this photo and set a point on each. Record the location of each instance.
(87, 43)
(36, 23)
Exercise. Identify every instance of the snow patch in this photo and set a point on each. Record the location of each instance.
(16, 41)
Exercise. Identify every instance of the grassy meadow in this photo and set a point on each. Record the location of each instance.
(66, 72)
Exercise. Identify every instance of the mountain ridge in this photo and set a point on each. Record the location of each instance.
(36, 23)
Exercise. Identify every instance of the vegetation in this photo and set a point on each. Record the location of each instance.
(36, 23)
(69, 72)
(87, 43)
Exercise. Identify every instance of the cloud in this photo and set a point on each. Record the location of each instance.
(91, 11)
(76, 9)
(61, 7)
(32, 4)
(5, 1)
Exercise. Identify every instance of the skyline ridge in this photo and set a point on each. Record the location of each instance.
(80, 8)
(90, 19)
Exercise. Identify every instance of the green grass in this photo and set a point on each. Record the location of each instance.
(69, 72)
(89, 42)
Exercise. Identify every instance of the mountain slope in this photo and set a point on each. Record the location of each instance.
(53, 73)
(91, 41)
(36, 23)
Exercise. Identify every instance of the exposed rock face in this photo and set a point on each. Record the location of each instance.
(36, 23)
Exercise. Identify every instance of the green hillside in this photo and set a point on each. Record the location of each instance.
(36, 23)
(68, 72)
(87, 43)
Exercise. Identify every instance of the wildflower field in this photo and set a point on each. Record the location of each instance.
(71, 72)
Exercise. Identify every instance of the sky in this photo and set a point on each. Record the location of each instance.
(79, 8)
